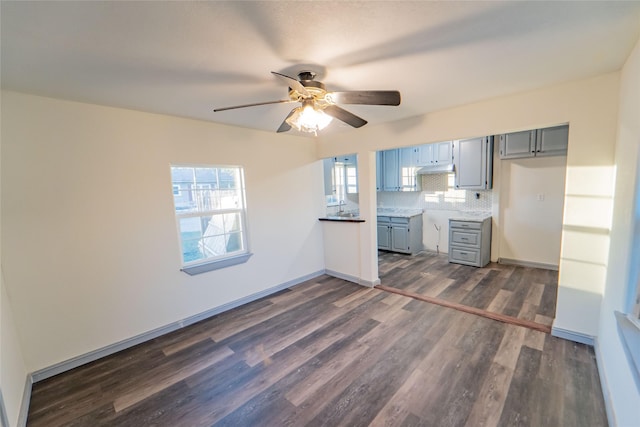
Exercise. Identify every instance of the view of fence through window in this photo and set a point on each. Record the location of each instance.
(210, 211)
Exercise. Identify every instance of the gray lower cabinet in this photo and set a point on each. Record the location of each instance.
(470, 241)
(400, 234)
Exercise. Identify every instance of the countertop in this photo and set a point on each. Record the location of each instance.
(395, 212)
(341, 218)
(470, 216)
(399, 212)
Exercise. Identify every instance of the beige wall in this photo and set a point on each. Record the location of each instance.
(620, 388)
(531, 205)
(90, 247)
(590, 107)
(13, 372)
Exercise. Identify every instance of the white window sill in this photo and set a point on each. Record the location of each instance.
(631, 337)
(192, 270)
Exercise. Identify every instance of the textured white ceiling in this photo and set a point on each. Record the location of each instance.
(186, 58)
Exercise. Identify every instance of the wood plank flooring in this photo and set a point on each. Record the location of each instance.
(508, 291)
(331, 353)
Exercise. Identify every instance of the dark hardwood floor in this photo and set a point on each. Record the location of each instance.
(524, 293)
(328, 352)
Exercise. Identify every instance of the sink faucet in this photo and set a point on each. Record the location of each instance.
(341, 204)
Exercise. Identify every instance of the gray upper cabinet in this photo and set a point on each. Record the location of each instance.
(340, 175)
(442, 152)
(407, 170)
(518, 144)
(551, 141)
(424, 154)
(433, 154)
(473, 161)
(395, 170)
(329, 189)
(390, 170)
(379, 182)
(349, 159)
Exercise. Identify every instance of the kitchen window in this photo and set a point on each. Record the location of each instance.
(210, 212)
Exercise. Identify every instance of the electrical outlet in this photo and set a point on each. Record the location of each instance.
(541, 197)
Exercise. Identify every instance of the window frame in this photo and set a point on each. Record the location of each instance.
(629, 321)
(210, 263)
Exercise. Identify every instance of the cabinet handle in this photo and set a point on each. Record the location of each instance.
(464, 238)
(463, 253)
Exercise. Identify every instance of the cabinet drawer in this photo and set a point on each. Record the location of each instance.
(467, 256)
(465, 224)
(384, 219)
(465, 237)
(399, 220)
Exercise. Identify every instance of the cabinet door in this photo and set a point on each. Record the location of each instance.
(407, 170)
(518, 144)
(349, 159)
(442, 152)
(329, 188)
(384, 237)
(473, 163)
(552, 141)
(424, 155)
(399, 238)
(391, 174)
(407, 157)
(379, 171)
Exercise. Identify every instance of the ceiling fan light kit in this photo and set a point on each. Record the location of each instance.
(319, 107)
(308, 118)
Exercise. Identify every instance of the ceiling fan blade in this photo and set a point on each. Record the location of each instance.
(286, 126)
(253, 105)
(368, 97)
(293, 83)
(345, 116)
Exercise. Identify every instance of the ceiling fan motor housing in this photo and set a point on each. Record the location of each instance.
(315, 88)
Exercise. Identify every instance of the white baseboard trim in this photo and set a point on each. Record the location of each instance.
(508, 261)
(4, 419)
(604, 384)
(343, 276)
(354, 279)
(572, 336)
(26, 400)
(146, 336)
(369, 283)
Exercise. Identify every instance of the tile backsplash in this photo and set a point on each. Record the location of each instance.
(439, 193)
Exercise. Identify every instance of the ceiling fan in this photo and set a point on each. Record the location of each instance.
(319, 107)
